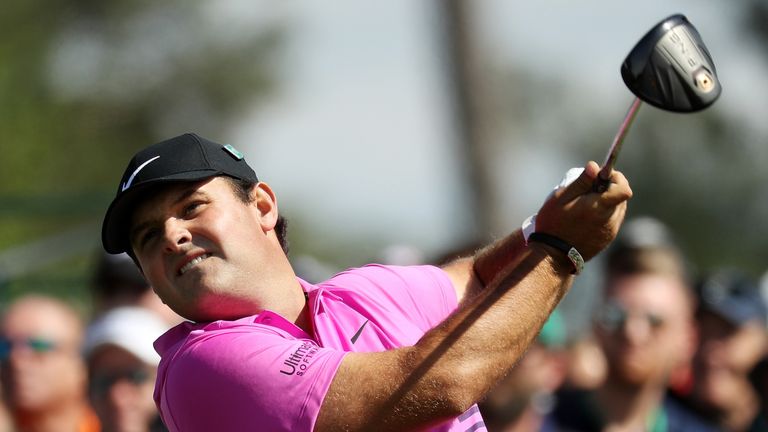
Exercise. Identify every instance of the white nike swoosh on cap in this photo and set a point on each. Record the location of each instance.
(127, 184)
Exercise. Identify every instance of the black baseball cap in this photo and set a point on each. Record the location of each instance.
(732, 295)
(184, 158)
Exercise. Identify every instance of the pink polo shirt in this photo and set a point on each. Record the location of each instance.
(262, 372)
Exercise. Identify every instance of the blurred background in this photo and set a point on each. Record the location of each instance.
(391, 131)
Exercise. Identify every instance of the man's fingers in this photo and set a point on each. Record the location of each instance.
(583, 184)
(618, 187)
(618, 191)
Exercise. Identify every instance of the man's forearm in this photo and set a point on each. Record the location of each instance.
(498, 258)
(472, 274)
(456, 363)
(491, 331)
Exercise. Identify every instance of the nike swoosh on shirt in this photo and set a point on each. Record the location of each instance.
(127, 184)
(357, 335)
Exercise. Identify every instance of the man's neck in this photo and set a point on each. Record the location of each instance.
(627, 407)
(741, 410)
(290, 301)
(304, 318)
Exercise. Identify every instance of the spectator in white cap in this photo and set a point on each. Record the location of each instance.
(122, 366)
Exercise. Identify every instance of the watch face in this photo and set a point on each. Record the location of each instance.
(576, 259)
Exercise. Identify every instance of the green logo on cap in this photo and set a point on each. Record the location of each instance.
(233, 151)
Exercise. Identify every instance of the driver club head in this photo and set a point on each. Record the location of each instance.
(671, 68)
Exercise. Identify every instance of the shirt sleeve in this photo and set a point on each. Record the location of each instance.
(244, 380)
(422, 293)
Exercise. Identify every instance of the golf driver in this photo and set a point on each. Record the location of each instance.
(669, 68)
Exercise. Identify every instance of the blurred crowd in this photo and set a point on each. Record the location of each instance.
(668, 349)
(63, 372)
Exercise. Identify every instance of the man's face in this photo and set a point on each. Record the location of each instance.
(645, 329)
(726, 355)
(203, 250)
(121, 387)
(41, 364)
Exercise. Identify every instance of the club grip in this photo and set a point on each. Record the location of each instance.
(602, 181)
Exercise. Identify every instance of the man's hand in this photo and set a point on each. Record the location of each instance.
(583, 218)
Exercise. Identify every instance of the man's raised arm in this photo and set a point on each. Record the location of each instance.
(455, 364)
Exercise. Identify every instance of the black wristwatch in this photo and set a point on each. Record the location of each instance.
(573, 255)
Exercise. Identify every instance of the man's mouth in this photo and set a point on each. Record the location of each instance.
(192, 263)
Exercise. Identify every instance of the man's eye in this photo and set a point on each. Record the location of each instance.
(148, 236)
(190, 208)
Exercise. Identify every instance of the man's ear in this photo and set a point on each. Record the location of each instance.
(266, 204)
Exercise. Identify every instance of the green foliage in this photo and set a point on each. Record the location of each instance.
(85, 84)
(702, 175)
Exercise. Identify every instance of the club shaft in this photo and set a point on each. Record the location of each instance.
(613, 151)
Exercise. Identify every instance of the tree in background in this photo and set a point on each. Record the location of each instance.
(86, 83)
(703, 174)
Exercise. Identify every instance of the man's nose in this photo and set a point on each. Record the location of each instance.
(177, 235)
(636, 328)
(121, 393)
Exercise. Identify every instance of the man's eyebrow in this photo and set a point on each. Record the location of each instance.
(184, 193)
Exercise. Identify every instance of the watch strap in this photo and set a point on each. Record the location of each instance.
(571, 252)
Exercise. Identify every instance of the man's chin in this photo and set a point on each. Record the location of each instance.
(633, 373)
(717, 390)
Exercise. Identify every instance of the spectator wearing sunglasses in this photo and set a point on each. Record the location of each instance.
(645, 327)
(42, 370)
(122, 366)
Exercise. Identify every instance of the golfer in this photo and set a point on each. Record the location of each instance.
(372, 348)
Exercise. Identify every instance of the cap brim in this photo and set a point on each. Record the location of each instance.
(117, 221)
(738, 313)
